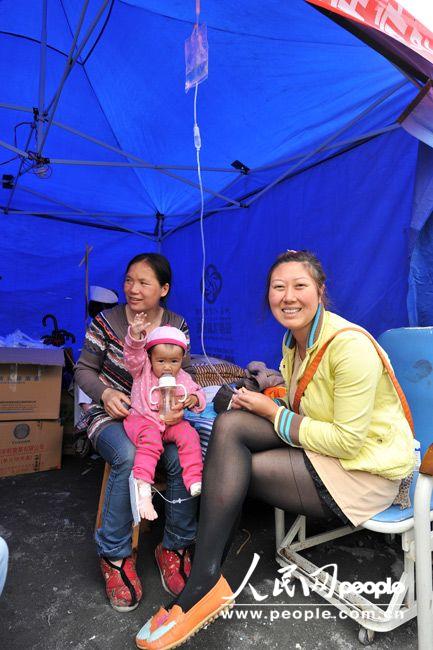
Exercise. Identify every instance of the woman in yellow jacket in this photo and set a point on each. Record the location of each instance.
(343, 452)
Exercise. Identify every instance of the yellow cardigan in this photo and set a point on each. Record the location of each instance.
(352, 411)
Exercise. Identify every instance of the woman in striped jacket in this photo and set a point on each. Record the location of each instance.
(102, 374)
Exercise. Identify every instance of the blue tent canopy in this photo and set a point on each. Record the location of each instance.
(306, 107)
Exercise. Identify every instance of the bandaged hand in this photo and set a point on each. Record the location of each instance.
(255, 403)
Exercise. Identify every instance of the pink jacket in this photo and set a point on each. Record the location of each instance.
(138, 365)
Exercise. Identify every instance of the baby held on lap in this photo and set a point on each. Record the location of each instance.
(155, 364)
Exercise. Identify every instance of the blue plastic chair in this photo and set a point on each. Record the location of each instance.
(411, 354)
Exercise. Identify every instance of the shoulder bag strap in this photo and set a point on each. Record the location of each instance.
(311, 370)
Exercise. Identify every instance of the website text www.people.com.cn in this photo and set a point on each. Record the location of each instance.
(301, 613)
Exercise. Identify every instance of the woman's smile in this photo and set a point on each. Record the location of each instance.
(293, 296)
(134, 301)
(142, 289)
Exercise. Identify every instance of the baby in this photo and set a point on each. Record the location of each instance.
(147, 358)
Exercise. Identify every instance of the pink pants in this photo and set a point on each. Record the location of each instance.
(148, 440)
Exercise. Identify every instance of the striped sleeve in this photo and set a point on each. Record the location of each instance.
(91, 361)
(286, 423)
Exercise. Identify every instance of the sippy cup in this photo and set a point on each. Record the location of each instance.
(167, 394)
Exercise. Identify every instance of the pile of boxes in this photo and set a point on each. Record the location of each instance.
(30, 429)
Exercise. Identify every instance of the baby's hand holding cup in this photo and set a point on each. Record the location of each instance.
(191, 401)
(174, 416)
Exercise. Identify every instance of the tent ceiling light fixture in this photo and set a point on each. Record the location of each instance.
(237, 164)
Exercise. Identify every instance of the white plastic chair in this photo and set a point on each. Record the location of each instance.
(411, 354)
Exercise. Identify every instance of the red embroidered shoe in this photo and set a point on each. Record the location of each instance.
(122, 584)
(174, 568)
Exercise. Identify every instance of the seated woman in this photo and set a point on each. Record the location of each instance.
(101, 374)
(344, 453)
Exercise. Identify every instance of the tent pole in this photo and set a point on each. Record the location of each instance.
(47, 215)
(87, 213)
(14, 107)
(342, 143)
(22, 188)
(412, 80)
(18, 176)
(335, 145)
(108, 224)
(126, 154)
(70, 62)
(189, 222)
(73, 210)
(10, 147)
(79, 211)
(159, 227)
(113, 163)
(326, 142)
(42, 70)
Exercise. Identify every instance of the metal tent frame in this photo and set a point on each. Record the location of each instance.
(44, 119)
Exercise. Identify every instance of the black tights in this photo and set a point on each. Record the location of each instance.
(245, 456)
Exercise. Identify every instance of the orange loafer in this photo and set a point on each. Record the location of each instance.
(179, 626)
(152, 624)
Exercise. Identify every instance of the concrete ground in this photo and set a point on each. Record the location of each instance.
(54, 597)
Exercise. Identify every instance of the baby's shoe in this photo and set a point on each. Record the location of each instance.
(195, 489)
(122, 584)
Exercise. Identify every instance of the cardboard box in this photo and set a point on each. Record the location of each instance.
(30, 383)
(30, 446)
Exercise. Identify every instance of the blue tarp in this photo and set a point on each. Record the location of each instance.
(420, 297)
(289, 93)
(358, 228)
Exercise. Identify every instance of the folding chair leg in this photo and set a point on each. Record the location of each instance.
(279, 526)
(423, 547)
